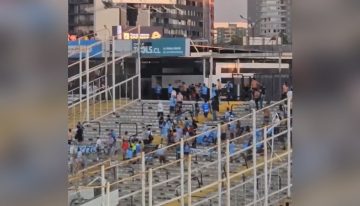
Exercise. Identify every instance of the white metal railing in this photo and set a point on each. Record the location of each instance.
(260, 166)
(98, 96)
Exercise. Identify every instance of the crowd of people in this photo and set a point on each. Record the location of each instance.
(177, 124)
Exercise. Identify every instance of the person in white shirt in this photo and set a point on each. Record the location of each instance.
(173, 93)
(290, 93)
(99, 144)
(160, 109)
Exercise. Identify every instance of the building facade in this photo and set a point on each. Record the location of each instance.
(273, 18)
(225, 33)
(188, 18)
(89, 16)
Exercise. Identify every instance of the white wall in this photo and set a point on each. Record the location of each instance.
(108, 17)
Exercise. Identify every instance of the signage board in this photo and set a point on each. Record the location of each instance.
(165, 47)
(146, 32)
(75, 47)
(143, 1)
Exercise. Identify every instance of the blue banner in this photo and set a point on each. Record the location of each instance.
(165, 47)
(74, 48)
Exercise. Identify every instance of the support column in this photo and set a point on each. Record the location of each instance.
(289, 145)
(103, 184)
(106, 68)
(80, 78)
(219, 163)
(266, 189)
(108, 193)
(143, 179)
(139, 62)
(113, 74)
(228, 192)
(182, 171)
(150, 186)
(238, 85)
(189, 181)
(204, 69)
(87, 86)
(254, 154)
(211, 69)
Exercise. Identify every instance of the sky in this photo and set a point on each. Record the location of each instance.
(229, 10)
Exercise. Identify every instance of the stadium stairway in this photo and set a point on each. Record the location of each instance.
(203, 177)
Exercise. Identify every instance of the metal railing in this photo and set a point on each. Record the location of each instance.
(100, 96)
(252, 144)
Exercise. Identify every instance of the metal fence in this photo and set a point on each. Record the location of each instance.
(94, 92)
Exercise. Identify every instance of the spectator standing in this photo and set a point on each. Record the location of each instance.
(172, 104)
(227, 115)
(262, 96)
(79, 136)
(157, 91)
(229, 90)
(214, 92)
(170, 89)
(187, 149)
(206, 109)
(179, 99)
(285, 89)
(70, 137)
(215, 107)
(124, 147)
(204, 92)
(160, 112)
(219, 87)
(197, 109)
(160, 152)
(257, 96)
(197, 91)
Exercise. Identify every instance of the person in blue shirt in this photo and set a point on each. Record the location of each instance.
(138, 147)
(206, 108)
(129, 153)
(213, 92)
(229, 90)
(172, 104)
(204, 92)
(157, 90)
(170, 89)
(186, 149)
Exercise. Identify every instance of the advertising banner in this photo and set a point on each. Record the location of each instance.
(74, 48)
(146, 32)
(165, 47)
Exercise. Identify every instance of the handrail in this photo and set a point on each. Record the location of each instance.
(99, 66)
(92, 81)
(105, 90)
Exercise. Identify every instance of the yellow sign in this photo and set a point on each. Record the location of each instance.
(131, 36)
